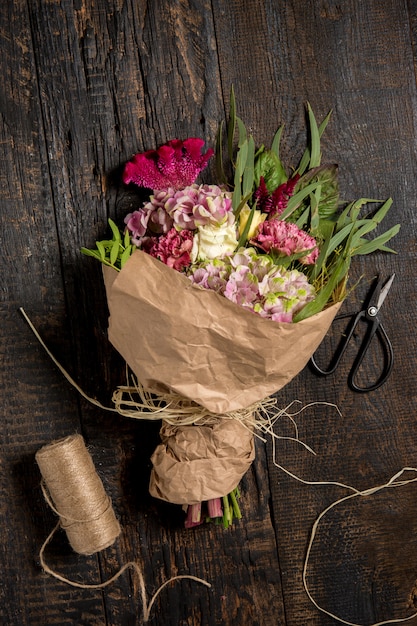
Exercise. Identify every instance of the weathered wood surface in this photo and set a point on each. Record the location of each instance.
(85, 85)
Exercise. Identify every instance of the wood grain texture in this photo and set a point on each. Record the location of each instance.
(85, 84)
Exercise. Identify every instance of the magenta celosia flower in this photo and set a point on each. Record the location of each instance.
(173, 249)
(285, 238)
(176, 164)
(274, 203)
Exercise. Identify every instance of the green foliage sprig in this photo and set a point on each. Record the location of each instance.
(340, 231)
(112, 252)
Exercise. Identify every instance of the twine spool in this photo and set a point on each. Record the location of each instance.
(78, 495)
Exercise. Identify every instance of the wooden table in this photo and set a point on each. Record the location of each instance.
(85, 84)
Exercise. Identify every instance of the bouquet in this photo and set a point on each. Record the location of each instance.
(220, 293)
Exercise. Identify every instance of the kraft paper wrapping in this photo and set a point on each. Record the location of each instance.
(198, 463)
(177, 336)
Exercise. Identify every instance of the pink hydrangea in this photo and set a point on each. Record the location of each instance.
(176, 164)
(212, 275)
(200, 205)
(137, 224)
(285, 238)
(256, 283)
(242, 287)
(214, 206)
(173, 249)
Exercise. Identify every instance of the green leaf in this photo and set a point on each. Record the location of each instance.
(306, 158)
(115, 230)
(101, 249)
(243, 136)
(249, 171)
(126, 254)
(232, 124)
(276, 142)
(295, 200)
(303, 219)
(315, 154)
(322, 298)
(268, 166)
(377, 243)
(243, 237)
(114, 252)
(94, 253)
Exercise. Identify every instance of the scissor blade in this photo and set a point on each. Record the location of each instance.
(384, 291)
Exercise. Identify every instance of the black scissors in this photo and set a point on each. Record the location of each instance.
(369, 314)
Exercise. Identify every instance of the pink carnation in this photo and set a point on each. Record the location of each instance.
(286, 239)
(176, 164)
(173, 249)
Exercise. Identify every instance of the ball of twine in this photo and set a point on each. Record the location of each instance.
(75, 492)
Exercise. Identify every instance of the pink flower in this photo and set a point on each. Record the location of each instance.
(200, 205)
(176, 164)
(213, 206)
(285, 239)
(173, 249)
(180, 206)
(137, 223)
(242, 287)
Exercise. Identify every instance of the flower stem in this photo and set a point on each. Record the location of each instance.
(233, 497)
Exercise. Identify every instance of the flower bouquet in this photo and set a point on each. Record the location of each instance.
(220, 293)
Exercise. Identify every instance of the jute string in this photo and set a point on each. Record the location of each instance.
(76, 494)
(175, 410)
(74, 490)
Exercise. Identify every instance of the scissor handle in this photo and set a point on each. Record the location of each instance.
(376, 328)
(343, 343)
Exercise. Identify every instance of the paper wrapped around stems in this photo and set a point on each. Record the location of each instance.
(177, 336)
(198, 463)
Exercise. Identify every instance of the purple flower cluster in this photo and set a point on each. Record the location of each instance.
(254, 282)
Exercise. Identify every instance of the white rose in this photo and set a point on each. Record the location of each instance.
(212, 242)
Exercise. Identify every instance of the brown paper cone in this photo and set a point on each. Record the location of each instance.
(177, 336)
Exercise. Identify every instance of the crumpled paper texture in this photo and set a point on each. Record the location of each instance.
(198, 463)
(177, 336)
